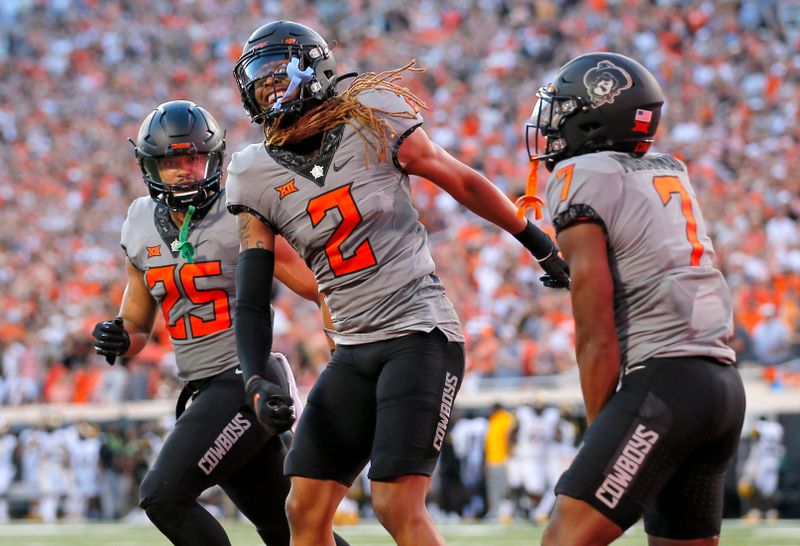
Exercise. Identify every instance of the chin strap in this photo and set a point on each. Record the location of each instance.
(530, 200)
(185, 247)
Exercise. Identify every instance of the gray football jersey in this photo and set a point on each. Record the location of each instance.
(669, 299)
(351, 218)
(197, 300)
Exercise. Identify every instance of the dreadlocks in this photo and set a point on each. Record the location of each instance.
(346, 108)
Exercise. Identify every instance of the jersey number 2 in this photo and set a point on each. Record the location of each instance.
(187, 275)
(666, 186)
(341, 199)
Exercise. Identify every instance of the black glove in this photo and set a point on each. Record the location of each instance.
(557, 271)
(273, 407)
(545, 251)
(110, 339)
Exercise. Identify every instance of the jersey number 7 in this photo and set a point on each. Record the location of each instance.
(342, 200)
(666, 186)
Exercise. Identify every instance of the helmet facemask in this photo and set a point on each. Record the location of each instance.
(282, 79)
(183, 177)
(543, 137)
(180, 149)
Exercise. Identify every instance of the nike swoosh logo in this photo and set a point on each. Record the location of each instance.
(634, 368)
(339, 166)
(237, 371)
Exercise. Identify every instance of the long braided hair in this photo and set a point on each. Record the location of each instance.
(346, 108)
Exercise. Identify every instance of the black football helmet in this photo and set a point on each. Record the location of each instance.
(598, 101)
(177, 128)
(298, 62)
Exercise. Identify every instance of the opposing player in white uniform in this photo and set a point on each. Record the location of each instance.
(84, 458)
(649, 307)
(527, 465)
(332, 177)
(182, 250)
(761, 470)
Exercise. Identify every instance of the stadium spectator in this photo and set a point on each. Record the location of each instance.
(771, 336)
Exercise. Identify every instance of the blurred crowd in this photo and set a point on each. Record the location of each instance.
(80, 75)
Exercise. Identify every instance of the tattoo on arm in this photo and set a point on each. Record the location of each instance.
(244, 226)
(246, 239)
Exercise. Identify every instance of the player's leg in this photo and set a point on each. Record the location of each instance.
(400, 508)
(622, 463)
(259, 489)
(214, 437)
(575, 522)
(639, 453)
(415, 394)
(311, 506)
(688, 510)
(331, 445)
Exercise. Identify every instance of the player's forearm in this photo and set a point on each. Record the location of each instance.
(253, 323)
(483, 198)
(596, 343)
(138, 340)
(598, 364)
(138, 312)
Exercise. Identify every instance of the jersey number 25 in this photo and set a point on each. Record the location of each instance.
(181, 281)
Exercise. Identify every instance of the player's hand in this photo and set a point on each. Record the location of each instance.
(557, 271)
(110, 339)
(273, 407)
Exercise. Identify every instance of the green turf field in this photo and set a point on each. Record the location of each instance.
(735, 533)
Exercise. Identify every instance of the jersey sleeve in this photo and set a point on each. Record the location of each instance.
(585, 189)
(403, 116)
(127, 239)
(245, 186)
(124, 237)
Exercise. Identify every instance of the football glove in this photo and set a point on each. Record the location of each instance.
(272, 406)
(110, 339)
(557, 271)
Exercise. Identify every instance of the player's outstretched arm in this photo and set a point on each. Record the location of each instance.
(128, 333)
(266, 387)
(420, 156)
(592, 292)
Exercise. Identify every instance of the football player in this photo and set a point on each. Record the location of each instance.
(182, 250)
(332, 177)
(651, 312)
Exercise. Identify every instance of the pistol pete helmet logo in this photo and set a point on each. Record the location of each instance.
(605, 82)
